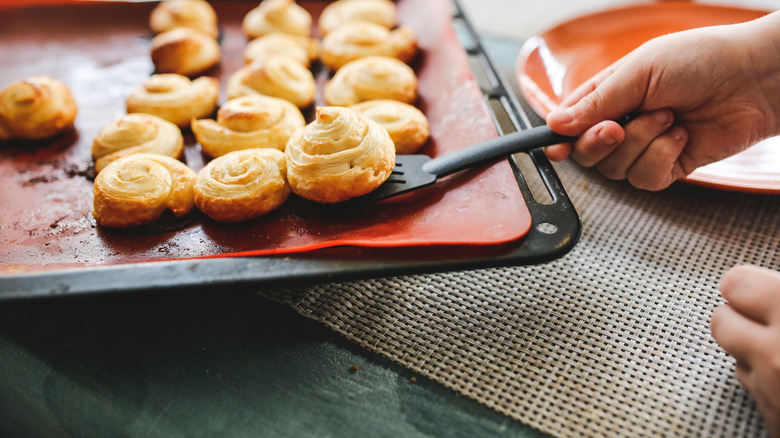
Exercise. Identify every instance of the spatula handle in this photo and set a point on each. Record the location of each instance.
(503, 146)
(490, 150)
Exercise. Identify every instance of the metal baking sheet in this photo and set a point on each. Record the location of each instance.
(554, 230)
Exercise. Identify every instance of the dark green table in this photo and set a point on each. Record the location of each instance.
(211, 364)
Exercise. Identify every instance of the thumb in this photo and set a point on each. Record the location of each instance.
(617, 95)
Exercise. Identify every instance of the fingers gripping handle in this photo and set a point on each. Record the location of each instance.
(499, 147)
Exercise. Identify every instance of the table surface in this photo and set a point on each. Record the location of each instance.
(220, 363)
(231, 363)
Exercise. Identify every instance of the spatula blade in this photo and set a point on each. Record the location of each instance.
(407, 175)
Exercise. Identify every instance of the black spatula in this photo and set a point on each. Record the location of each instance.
(413, 172)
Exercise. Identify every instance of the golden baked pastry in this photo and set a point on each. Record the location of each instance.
(277, 76)
(358, 39)
(381, 12)
(242, 185)
(36, 107)
(338, 156)
(277, 16)
(248, 122)
(195, 14)
(373, 77)
(137, 189)
(133, 134)
(184, 51)
(175, 98)
(302, 49)
(407, 125)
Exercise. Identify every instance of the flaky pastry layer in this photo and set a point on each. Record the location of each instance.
(338, 156)
(370, 78)
(242, 185)
(408, 127)
(137, 189)
(133, 134)
(303, 49)
(175, 98)
(247, 122)
(195, 14)
(359, 39)
(184, 51)
(277, 76)
(35, 108)
(381, 12)
(277, 16)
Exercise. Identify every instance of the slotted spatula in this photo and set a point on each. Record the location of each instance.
(413, 172)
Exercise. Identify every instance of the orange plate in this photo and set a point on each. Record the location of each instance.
(553, 64)
(101, 50)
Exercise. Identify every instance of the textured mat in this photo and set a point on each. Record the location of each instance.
(611, 340)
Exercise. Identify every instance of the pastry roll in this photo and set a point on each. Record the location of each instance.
(277, 76)
(277, 16)
(407, 125)
(195, 14)
(242, 185)
(184, 51)
(137, 189)
(338, 156)
(302, 49)
(35, 108)
(133, 134)
(246, 122)
(381, 12)
(175, 98)
(374, 77)
(358, 39)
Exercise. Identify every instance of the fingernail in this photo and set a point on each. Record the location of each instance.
(661, 117)
(680, 135)
(563, 116)
(605, 138)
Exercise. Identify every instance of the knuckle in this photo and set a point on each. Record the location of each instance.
(652, 184)
(610, 172)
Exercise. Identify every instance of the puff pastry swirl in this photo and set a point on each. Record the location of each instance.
(381, 12)
(133, 134)
(35, 108)
(407, 125)
(277, 16)
(195, 14)
(137, 189)
(373, 77)
(358, 39)
(277, 76)
(338, 156)
(175, 98)
(248, 122)
(184, 51)
(302, 49)
(242, 185)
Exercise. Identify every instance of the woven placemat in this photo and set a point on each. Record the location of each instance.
(611, 340)
(613, 337)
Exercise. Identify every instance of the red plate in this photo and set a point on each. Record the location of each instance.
(552, 64)
(101, 50)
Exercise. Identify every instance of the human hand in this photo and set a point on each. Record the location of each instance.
(702, 95)
(748, 328)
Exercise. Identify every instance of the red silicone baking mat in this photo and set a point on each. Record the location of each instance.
(101, 51)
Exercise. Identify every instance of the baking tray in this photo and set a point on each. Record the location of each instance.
(554, 225)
